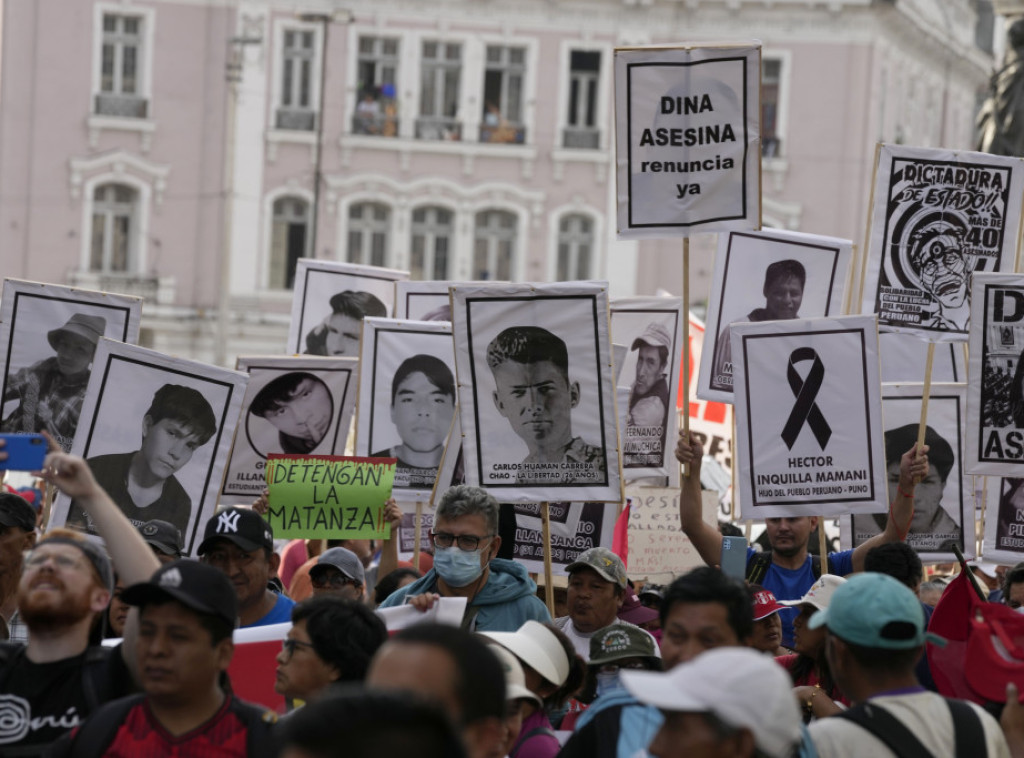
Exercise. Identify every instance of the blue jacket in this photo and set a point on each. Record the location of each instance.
(506, 602)
(616, 725)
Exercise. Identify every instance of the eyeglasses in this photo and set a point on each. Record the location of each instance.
(221, 558)
(467, 542)
(37, 560)
(289, 645)
(335, 580)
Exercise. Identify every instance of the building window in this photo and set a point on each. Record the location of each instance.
(575, 247)
(433, 229)
(114, 227)
(298, 53)
(369, 232)
(440, 72)
(121, 68)
(581, 121)
(494, 245)
(771, 78)
(504, 76)
(376, 112)
(289, 240)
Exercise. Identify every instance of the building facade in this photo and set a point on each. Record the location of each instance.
(190, 151)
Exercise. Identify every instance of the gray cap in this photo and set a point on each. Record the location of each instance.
(161, 535)
(607, 564)
(344, 560)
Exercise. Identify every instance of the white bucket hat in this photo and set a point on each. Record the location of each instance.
(539, 648)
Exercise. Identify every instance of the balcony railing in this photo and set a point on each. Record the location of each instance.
(381, 124)
(152, 289)
(123, 106)
(296, 119)
(503, 133)
(582, 137)
(438, 128)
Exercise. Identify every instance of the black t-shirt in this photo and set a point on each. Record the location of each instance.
(39, 702)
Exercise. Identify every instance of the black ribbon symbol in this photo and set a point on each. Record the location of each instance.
(805, 410)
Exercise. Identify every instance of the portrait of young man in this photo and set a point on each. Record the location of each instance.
(339, 333)
(534, 393)
(142, 482)
(299, 406)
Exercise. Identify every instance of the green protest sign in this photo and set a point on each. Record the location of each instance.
(328, 496)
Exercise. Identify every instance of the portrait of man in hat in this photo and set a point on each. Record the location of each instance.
(50, 392)
(648, 397)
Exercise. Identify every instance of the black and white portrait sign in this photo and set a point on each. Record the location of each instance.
(427, 301)
(535, 391)
(995, 394)
(1004, 520)
(156, 432)
(808, 415)
(687, 123)
(575, 528)
(651, 331)
(767, 276)
(48, 337)
(330, 302)
(295, 406)
(938, 217)
(944, 499)
(904, 359)
(406, 399)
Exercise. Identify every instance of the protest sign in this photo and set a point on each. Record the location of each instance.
(325, 496)
(406, 399)
(417, 300)
(330, 301)
(938, 217)
(709, 419)
(809, 409)
(652, 330)
(903, 358)
(156, 432)
(658, 549)
(535, 391)
(686, 144)
(297, 406)
(766, 276)
(48, 335)
(944, 499)
(595, 524)
(1004, 521)
(995, 394)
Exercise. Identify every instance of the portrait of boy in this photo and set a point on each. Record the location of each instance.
(299, 406)
(142, 482)
(339, 333)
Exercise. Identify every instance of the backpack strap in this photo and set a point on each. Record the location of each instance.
(535, 732)
(95, 735)
(816, 566)
(260, 739)
(758, 567)
(968, 731)
(888, 729)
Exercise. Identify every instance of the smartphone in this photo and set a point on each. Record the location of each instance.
(25, 452)
(734, 557)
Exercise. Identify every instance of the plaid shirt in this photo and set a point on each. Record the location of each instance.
(49, 400)
(16, 628)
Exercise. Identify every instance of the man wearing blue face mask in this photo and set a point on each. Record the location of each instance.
(500, 595)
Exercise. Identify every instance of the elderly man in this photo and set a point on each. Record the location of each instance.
(876, 633)
(501, 596)
(241, 544)
(788, 570)
(597, 589)
(726, 703)
(338, 571)
(452, 669)
(17, 536)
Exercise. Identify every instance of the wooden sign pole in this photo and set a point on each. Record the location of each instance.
(549, 585)
(925, 392)
(419, 534)
(686, 346)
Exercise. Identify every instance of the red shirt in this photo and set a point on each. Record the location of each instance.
(223, 736)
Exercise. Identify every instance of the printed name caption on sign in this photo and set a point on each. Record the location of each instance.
(323, 497)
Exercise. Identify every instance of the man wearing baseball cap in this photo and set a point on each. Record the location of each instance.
(597, 589)
(876, 633)
(164, 537)
(187, 614)
(728, 702)
(241, 544)
(648, 397)
(338, 571)
(17, 536)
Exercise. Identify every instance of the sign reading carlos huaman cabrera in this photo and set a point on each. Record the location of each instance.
(937, 218)
(535, 395)
(995, 389)
(294, 406)
(686, 140)
(808, 411)
(768, 276)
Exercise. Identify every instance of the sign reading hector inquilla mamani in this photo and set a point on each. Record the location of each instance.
(687, 130)
(807, 399)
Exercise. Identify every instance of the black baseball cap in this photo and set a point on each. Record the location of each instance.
(15, 511)
(242, 526)
(195, 585)
(162, 535)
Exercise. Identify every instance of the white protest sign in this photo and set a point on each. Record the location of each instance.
(687, 127)
(808, 408)
(995, 402)
(1004, 521)
(938, 218)
(658, 549)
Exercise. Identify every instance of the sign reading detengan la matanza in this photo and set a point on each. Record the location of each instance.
(686, 140)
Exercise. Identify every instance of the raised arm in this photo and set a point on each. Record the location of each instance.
(389, 547)
(705, 537)
(913, 468)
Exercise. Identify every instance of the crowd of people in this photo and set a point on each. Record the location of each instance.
(807, 657)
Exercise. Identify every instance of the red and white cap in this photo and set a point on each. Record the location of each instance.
(765, 604)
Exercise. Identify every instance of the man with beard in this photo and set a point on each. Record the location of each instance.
(54, 681)
(788, 570)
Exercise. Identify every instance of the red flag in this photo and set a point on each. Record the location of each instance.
(620, 538)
